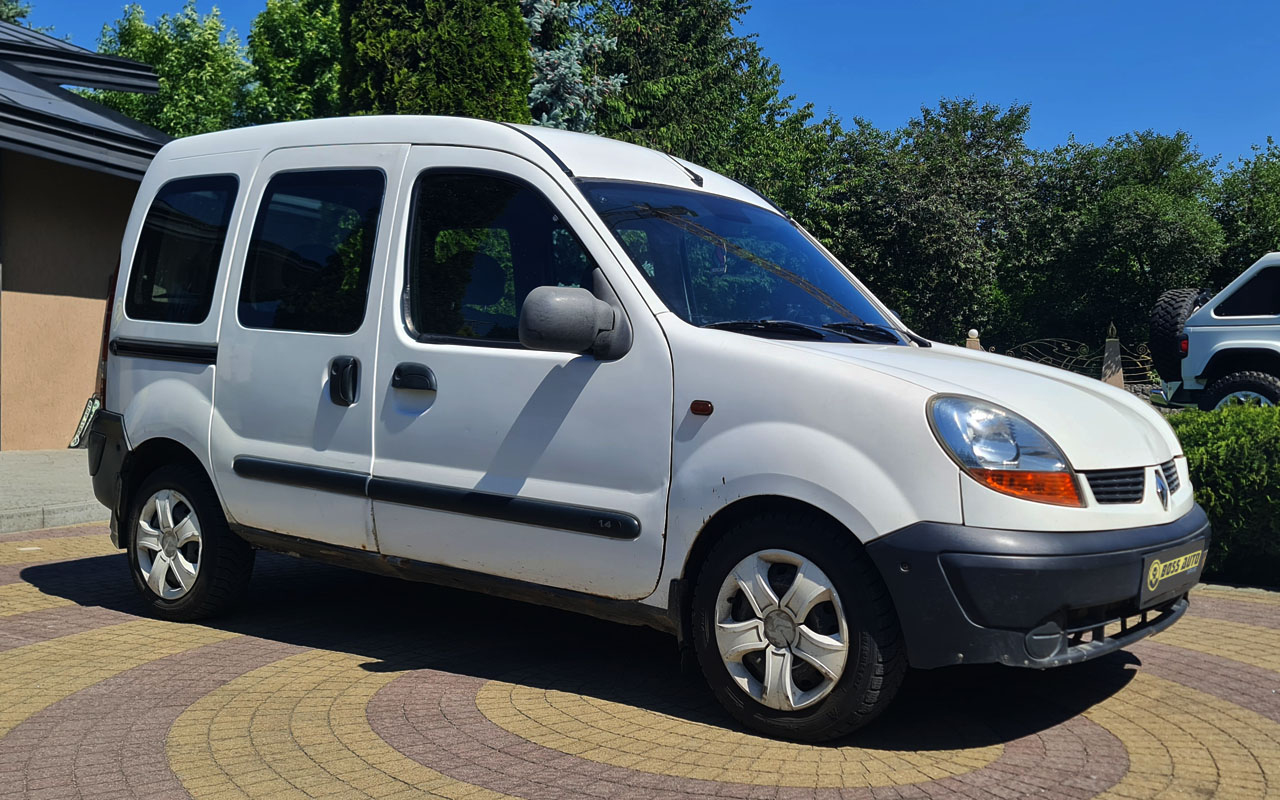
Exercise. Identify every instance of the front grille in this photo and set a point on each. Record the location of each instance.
(1170, 471)
(1118, 485)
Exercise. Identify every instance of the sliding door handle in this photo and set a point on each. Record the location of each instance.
(344, 380)
(414, 377)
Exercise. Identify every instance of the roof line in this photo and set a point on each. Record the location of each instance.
(563, 166)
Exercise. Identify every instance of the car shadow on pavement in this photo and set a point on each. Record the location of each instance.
(399, 626)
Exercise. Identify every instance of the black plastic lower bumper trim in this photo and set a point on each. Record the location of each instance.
(980, 595)
(107, 448)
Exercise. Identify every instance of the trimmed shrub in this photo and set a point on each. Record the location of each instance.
(1234, 457)
(463, 58)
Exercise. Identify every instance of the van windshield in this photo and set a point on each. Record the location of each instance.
(719, 262)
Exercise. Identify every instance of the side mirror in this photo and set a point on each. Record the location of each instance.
(568, 320)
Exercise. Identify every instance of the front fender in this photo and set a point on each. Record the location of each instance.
(783, 459)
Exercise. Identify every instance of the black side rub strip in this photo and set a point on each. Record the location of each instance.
(522, 510)
(339, 481)
(165, 351)
(526, 511)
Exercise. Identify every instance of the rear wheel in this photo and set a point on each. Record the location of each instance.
(183, 557)
(1242, 389)
(1167, 319)
(794, 630)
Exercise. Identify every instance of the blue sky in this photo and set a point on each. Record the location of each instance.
(1091, 68)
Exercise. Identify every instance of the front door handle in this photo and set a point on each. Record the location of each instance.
(415, 377)
(344, 380)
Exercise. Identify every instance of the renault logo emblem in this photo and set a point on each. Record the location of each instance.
(1162, 490)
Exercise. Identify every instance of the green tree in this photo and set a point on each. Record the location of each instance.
(924, 214)
(294, 48)
(567, 84)
(683, 65)
(1249, 212)
(1108, 230)
(453, 57)
(202, 71)
(14, 11)
(698, 90)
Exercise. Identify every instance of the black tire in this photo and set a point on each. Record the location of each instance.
(876, 661)
(225, 560)
(1261, 383)
(1167, 318)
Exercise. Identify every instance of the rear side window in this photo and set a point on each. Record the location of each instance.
(176, 264)
(479, 244)
(1260, 297)
(312, 249)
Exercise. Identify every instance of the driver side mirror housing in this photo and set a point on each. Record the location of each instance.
(570, 320)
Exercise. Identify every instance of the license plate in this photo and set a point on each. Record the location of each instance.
(1171, 572)
(90, 408)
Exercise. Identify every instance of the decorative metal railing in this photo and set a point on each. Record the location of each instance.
(1113, 362)
(1078, 357)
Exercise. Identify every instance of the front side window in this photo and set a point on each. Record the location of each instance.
(312, 250)
(176, 264)
(479, 243)
(715, 261)
(1259, 297)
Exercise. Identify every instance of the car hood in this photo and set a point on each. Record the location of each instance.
(1098, 426)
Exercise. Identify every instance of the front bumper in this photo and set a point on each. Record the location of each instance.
(1032, 598)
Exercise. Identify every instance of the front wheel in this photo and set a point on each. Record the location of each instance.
(794, 629)
(184, 558)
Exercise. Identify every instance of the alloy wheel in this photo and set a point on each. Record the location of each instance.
(1244, 398)
(781, 630)
(168, 544)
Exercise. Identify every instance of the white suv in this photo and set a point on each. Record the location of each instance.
(559, 368)
(1216, 350)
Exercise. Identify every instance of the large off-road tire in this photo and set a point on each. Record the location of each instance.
(183, 557)
(1241, 388)
(794, 629)
(1167, 318)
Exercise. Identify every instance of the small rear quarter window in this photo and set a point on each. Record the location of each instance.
(175, 266)
(1259, 297)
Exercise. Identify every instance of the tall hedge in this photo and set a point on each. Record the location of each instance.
(1234, 457)
(453, 57)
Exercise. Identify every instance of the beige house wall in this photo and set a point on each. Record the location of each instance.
(60, 230)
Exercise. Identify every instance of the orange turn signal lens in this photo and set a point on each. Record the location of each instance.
(1057, 488)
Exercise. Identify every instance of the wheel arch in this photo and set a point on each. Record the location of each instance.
(145, 459)
(715, 529)
(1240, 359)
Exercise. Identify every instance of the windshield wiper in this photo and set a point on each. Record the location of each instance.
(876, 331)
(865, 330)
(767, 327)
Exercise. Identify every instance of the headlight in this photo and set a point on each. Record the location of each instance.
(1003, 451)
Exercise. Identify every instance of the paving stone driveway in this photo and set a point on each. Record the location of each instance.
(338, 684)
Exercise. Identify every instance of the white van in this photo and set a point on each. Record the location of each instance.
(565, 369)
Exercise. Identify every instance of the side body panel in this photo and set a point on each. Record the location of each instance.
(507, 429)
(273, 397)
(162, 398)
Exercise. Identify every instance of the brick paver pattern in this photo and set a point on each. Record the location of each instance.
(335, 684)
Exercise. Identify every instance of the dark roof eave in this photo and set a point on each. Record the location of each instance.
(128, 168)
(90, 70)
(63, 140)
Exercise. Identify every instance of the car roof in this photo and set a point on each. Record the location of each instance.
(580, 155)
